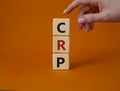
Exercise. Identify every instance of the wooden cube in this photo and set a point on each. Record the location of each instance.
(61, 44)
(61, 26)
(61, 62)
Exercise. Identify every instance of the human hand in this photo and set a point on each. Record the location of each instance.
(95, 11)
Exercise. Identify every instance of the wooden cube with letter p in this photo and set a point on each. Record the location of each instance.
(60, 61)
(61, 43)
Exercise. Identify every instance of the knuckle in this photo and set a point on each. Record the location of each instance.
(106, 16)
(90, 18)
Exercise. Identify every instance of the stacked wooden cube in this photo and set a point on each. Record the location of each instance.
(61, 43)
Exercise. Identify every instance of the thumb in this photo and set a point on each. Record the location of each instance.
(90, 18)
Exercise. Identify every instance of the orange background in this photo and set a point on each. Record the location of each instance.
(26, 50)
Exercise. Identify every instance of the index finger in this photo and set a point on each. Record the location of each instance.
(75, 4)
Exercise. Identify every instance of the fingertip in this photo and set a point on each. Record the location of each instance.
(80, 26)
(86, 30)
(87, 27)
(91, 26)
(65, 11)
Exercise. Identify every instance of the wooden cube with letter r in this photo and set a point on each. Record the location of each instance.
(61, 44)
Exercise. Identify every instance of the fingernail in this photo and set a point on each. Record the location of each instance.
(65, 11)
(81, 20)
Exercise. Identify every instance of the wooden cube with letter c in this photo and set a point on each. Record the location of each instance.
(61, 26)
